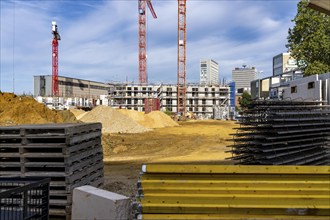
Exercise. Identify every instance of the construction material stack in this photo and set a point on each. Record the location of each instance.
(283, 133)
(209, 191)
(70, 154)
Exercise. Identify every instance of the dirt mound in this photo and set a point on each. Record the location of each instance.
(76, 112)
(16, 110)
(134, 115)
(155, 119)
(113, 121)
(67, 116)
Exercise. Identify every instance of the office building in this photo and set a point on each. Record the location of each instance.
(209, 72)
(243, 77)
(283, 63)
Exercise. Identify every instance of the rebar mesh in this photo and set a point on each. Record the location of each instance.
(283, 133)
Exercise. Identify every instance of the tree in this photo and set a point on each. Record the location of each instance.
(309, 40)
(245, 100)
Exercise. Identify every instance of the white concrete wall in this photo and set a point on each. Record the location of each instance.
(97, 204)
(303, 93)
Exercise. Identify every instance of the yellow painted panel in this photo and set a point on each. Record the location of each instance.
(233, 209)
(203, 168)
(301, 201)
(237, 176)
(233, 184)
(229, 217)
(205, 191)
(232, 190)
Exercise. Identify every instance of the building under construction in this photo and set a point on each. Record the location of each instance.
(203, 101)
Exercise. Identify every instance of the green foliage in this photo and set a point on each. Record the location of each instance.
(309, 40)
(245, 100)
(168, 112)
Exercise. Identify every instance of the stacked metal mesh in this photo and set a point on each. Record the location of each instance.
(283, 133)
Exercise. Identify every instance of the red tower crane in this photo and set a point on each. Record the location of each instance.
(182, 39)
(143, 40)
(56, 38)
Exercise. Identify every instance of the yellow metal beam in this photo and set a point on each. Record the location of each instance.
(280, 201)
(231, 184)
(248, 210)
(228, 217)
(243, 169)
(252, 191)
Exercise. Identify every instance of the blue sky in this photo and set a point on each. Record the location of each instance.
(99, 38)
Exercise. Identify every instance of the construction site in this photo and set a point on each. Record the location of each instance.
(81, 149)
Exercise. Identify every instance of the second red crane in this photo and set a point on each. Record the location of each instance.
(143, 79)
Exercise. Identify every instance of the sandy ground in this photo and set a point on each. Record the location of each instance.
(191, 142)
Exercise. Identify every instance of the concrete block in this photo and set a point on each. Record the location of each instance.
(97, 204)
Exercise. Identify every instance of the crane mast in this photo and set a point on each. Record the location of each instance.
(56, 38)
(182, 39)
(142, 4)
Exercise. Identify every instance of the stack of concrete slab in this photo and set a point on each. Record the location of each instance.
(70, 154)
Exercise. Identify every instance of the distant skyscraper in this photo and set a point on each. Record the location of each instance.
(209, 72)
(283, 63)
(243, 77)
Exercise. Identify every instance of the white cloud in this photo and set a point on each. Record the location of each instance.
(99, 42)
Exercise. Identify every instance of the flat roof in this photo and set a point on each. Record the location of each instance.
(320, 5)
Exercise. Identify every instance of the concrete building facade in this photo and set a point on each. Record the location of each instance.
(131, 96)
(293, 86)
(311, 88)
(201, 100)
(209, 72)
(70, 87)
(243, 77)
(282, 63)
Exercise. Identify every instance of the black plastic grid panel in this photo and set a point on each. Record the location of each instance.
(24, 198)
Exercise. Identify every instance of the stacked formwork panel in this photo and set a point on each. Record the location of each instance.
(283, 133)
(70, 154)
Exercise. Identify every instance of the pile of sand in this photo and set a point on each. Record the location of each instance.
(155, 119)
(16, 110)
(76, 112)
(113, 121)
